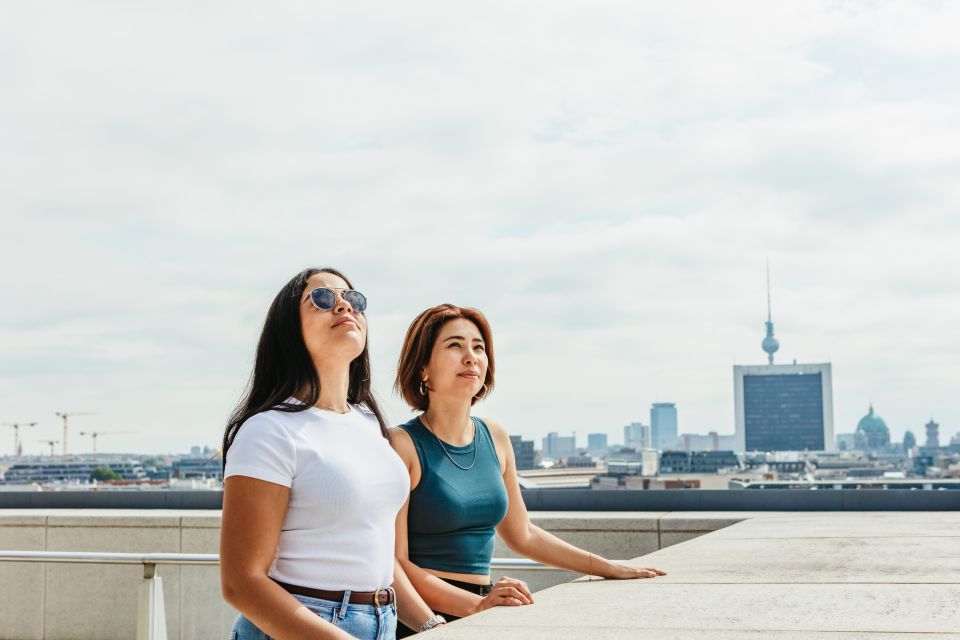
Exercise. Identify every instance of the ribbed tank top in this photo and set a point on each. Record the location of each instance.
(453, 512)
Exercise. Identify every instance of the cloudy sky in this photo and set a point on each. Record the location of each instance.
(604, 179)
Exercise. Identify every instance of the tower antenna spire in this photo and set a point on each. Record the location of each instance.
(770, 344)
(769, 314)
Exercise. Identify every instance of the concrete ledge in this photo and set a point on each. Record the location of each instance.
(208, 519)
(778, 611)
(779, 576)
(737, 575)
(135, 518)
(47, 597)
(606, 633)
(22, 517)
(598, 520)
(707, 520)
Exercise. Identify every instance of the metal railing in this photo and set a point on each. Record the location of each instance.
(151, 612)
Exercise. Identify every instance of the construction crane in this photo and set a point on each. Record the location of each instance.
(52, 443)
(17, 447)
(94, 434)
(65, 415)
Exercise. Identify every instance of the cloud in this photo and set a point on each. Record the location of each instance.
(605, 182)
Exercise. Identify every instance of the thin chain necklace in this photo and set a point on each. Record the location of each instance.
(423, 419)
(329, 408)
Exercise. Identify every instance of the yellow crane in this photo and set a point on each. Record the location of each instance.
(95, 434)
(52, 443)
(65, 415)
(17, 446)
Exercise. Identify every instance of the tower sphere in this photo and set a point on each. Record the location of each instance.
(771, 345)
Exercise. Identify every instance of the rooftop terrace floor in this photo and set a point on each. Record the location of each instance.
(797, 576)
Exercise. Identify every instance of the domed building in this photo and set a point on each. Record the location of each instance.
(872, 432)
(909, 441)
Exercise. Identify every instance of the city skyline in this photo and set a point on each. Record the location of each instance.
(581, 441)
(79, 431)
(605, 182)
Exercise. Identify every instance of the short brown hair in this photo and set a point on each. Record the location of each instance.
(418, 345)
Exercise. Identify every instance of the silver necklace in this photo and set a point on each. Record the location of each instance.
(329, 408)
(423, 419)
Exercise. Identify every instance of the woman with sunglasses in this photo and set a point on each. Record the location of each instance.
(463, 476)
(312, 487)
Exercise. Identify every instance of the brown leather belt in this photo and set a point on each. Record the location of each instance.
(379, 597)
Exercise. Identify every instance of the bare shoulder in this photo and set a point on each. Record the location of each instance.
(497, 430)
(402, 442)
(399, 436)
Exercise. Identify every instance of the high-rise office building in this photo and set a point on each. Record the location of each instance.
(783, 407)
(523, 453)
(636, 435)
(663, 425)
(557, 446)
(597, 444)
(710, 442)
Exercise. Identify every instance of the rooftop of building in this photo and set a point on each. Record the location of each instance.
(798, 565)
(796, 576)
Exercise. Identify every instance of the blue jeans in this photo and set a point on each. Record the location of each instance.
(363, 621)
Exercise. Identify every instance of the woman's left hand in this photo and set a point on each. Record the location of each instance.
(624, 572)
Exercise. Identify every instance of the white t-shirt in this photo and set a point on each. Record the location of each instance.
(346, 486)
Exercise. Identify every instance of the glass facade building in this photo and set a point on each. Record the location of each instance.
(784, 407)
(597, 443)
(783, 412)
(663, 425)
(636, 435)
(523, 453)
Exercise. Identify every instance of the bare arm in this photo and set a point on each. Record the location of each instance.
(529, 540)
(253, 513)
(411, 609)
(439, 595)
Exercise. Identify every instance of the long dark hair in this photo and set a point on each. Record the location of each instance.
(283, 366)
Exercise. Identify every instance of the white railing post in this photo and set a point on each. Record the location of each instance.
(151, 614)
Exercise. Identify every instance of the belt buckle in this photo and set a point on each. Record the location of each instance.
(376, 598)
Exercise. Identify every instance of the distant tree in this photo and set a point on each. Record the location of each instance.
(152, 462)
(102, 473)
(909, 441)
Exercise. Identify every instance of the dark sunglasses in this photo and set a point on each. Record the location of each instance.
(325, 299)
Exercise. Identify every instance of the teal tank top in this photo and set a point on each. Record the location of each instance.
(454, 511)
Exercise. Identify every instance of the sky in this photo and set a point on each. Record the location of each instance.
(605, 180)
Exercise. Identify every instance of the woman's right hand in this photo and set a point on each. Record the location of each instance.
(507, 592)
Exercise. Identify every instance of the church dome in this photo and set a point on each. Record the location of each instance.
(872, 432)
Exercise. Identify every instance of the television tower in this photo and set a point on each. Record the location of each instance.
(770, 344)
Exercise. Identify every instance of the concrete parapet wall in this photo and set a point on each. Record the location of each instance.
(53, 601)
(58, 601)
(793, 576)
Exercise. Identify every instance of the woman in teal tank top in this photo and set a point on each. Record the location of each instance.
(463, 477)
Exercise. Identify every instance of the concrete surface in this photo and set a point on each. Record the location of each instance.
(70, 601)
(59, 601)
(803, 576)
(781, 576)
